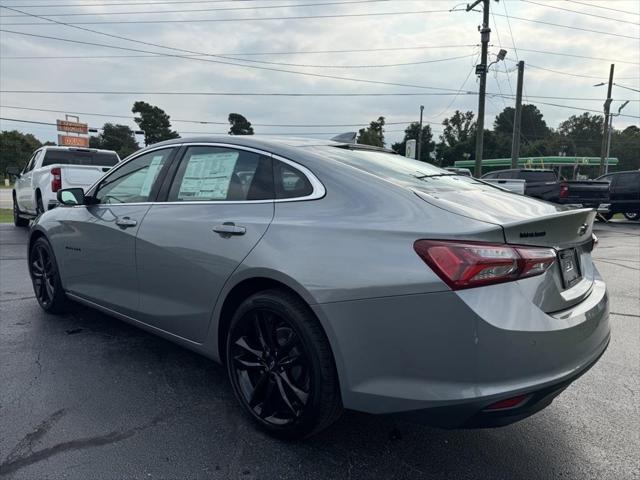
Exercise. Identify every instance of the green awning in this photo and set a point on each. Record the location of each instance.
(536, 162)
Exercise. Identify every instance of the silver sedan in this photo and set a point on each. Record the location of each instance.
(327, 275)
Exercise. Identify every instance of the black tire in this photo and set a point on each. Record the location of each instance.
(39, 205)
(632, 215)
(281, 366)
(18, 221)
(45, 277)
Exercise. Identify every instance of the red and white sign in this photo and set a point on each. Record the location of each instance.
(72, 127)
(71, 141)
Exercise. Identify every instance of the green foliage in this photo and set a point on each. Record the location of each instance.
(411, 133)
(625, 145)
(532, 124)
(373, 134)
(16, 149)
(116, 137)
(154, 122)
(457, 139)
(582, 135)
(239, 125)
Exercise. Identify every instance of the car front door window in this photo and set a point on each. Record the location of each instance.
(134, 182)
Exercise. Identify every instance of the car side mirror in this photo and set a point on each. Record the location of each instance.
(13, 171)
(71, 196)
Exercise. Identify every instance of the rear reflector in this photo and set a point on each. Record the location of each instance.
(509, 403)
(564, 190)
(466, 264)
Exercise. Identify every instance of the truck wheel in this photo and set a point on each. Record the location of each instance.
(632, 215)
(18, 221)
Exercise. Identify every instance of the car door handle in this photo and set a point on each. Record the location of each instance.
(126, 222)
(229, 228)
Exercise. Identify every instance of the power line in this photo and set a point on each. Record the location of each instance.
(207, 122)
(604, 8)
(199, 10)
(223, 62)
(580, 13)
(564, 54)
(560, 25)
(236, 19)
(579, 75)
(289, 94)
(239, 54)
(126, 3)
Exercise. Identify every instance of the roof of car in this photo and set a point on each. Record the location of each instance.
(268, 142)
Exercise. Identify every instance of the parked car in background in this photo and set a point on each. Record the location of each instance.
(51, 169)
(328, 275)
(545, 185)
(513, 185)
(460, 171)
(624, 193)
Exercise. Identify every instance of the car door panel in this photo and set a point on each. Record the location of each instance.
(99, 255)
(183, 264)
(99, 241)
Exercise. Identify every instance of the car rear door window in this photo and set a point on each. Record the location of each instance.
(222, 174)
(628, 181)
(134, 182)
(80, 157)
(290, 182)
(540, 176)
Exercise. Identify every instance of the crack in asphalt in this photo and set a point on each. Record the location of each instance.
(23, 455)
(626, 314)
(618, 264)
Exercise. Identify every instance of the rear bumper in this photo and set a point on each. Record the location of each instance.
(439, 358)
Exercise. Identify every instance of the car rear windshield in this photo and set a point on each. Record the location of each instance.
(538, 176)
(402, 170)
(79, 157)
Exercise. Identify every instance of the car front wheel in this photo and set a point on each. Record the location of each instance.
(632, 215)
(46, 278)
(281, 366)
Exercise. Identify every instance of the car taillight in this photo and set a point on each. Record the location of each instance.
(469, 264)
(564, 190)
(56, 179)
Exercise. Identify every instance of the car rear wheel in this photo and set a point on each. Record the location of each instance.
(18, 221)
(281, 366)
(46, 278)
(632, 215)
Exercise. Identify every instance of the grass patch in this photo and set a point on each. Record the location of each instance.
(6, 215)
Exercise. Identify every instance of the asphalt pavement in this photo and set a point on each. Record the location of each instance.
(85, 396)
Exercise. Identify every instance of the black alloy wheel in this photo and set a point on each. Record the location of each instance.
(632, 215)
(280, 366)
(45, 277)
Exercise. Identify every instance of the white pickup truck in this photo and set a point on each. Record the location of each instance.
(51, 169)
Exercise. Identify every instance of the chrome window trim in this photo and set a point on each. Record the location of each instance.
(318, 188)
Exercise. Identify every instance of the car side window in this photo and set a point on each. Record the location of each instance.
(506, 175)
(134, 181)
(222, 174)
(490, 175)
(628, 180)
(290, 182)
(30, 164)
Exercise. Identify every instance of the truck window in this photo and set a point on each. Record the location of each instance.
(79, 157)
(541, 176)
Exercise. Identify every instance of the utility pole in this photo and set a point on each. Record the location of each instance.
(605, 123)
(515, 143)
(419, 149)
(481, 71)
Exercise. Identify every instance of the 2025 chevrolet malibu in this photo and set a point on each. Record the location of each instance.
(327, 275)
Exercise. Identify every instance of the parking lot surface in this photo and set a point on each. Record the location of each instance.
(85, 396)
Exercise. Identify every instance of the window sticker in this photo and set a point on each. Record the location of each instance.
(207, 176)
(151, 174)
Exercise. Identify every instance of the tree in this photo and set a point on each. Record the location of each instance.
(239, 125)
(457, 139)
(411, 133)
(582, 135)
(373, 134)
(116, 137)
(16, 149)
(154, 122)
(532, 125)
(625, 145)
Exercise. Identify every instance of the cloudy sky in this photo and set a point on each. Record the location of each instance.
(421, 46)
